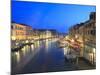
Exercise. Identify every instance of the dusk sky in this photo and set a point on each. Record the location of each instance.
(50, 15)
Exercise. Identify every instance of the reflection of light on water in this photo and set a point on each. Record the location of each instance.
(46, 43)
(32, 47)
(37, 43)
(17, 56)
(27, 48)
(23, 50)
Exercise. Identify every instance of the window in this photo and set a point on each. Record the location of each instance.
(93, 32)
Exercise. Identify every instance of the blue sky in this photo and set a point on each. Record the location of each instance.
(50, 15)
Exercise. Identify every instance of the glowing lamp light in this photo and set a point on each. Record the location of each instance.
(72, 40)
(32, 46)
(26, 41)
(94, 50)
(16, 43)
(66, 37)
(13, 38)
(16, 53)
(76, 36)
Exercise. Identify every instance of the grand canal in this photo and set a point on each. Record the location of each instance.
(42, 56)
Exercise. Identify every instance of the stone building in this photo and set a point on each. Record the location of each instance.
(86, 33)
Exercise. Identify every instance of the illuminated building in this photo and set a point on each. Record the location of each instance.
(21, 31)
(90, 38)
(29, 32)
(86, 34)
(13, 32)
(47, 33)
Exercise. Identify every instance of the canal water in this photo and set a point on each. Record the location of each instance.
(42, 56)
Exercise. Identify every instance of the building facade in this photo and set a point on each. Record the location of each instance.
(47, 33)
(29, 32)
(86, 34)
(21, 32)
(90, 39)
(18, 32)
